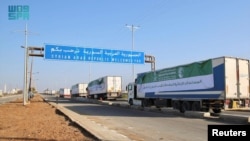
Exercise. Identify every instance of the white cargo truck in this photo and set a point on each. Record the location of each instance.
(107, 87)
(64, 92)
(79, 90)
(211, 85)
(52, 92)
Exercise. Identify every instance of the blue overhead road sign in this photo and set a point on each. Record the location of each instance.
(56, 52)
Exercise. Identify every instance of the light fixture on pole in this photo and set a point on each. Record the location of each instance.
(132, 27)
(25, 87)
(26, 59)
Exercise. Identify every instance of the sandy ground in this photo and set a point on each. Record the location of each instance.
(37, 121)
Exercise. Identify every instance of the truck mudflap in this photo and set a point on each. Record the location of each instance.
(113, 95)
(213, 106)
(236, 104)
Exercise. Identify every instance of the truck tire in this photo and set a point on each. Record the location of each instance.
(196, 106)
(185, 106)
(160, 103)
(176, 105)
(145, 103)
(130, 101)
(216, 110)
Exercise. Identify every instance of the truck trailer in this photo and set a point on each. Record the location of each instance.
(210, 85)
(64, 92)
(79, 90)
(107, 87)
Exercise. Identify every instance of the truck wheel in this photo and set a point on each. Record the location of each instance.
(130, 102)
(160, 103)
(182, 109)
(185, 106)
(144, 103)
(216, 110)
(176, 105)
(196, 106)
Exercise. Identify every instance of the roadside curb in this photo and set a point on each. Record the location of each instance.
(235, 118)
(99, 131)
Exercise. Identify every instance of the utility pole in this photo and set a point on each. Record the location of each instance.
(31, 73)
(25, 87)
(25, 91)
(26, 60)
(132, 27)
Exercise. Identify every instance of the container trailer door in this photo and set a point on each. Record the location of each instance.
(243, 76)
(114, 84)
(230, 78)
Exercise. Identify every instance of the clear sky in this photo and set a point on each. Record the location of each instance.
(175, 32)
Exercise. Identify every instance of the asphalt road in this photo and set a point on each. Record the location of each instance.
(140, 125)
(143, 125)
(8, 98)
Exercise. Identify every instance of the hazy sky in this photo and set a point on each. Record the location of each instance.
(175, 32)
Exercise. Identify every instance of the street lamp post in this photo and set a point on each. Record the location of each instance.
(25, 67)
(25, 75)
(26, 58)
(132, 27)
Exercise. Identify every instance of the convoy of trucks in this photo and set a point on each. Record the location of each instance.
(79, 90)
(107, 87)
(211, 85)
(49, 92)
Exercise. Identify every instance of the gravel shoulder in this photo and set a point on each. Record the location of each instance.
(38, 121)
